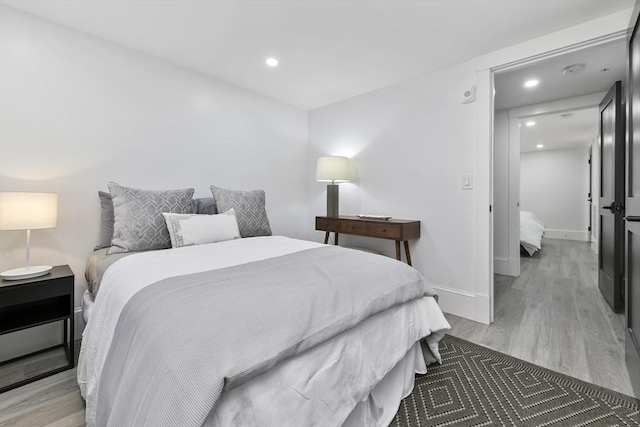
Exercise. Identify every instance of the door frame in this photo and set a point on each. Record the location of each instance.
(515, 115)
(597, 32)
(590, 195)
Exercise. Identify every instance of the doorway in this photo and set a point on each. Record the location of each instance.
(548, 303)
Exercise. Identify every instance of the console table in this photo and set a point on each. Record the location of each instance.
(400, 230)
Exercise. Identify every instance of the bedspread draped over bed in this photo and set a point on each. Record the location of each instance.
(181, 341)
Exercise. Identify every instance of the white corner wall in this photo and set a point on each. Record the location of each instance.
(410, 144)
(506, 153)
(501, 186)
(595, 193)
(554, 185)
(77, 112)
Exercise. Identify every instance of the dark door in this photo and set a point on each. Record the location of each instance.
(632, 245)
(611, 241)
(589, 197)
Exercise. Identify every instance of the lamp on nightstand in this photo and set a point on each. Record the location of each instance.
(27, 211)
(333, 169)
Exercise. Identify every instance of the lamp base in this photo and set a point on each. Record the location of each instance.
(26, 272)
(333, 199)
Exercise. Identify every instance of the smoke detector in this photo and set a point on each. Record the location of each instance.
(574, 69)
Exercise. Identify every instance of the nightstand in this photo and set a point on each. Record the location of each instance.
(400, 230)
(38, 301)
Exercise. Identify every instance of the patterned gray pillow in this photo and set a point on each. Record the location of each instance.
(249, 207)
(139, 224)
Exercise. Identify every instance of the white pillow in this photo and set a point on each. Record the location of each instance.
(197, 229)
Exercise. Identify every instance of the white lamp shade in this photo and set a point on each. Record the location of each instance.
(28, 211)
(333, 169)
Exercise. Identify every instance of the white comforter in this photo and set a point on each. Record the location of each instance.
(531, 232)
(382, 341)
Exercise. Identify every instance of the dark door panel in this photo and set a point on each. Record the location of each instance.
(632, 223)
(611, 239)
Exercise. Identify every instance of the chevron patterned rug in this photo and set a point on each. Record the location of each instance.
(476, 386)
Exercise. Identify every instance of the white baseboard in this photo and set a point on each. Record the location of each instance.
(483, 309)
(582, 236)
(463, 304)
(506, 266)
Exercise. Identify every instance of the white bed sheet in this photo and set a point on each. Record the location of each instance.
(531, 232)
(133, 273)
(326, 385)
(404, 325)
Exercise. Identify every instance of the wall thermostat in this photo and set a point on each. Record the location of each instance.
(469, 95)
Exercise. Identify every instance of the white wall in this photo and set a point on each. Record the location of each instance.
(554, 185)
(77, 112)
(595, 192)
(410, 143)
(501, 186)
(506, 159)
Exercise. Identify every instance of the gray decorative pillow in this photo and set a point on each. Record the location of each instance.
(249, 207)
(106, 220)
(139, 224)
(204, 205)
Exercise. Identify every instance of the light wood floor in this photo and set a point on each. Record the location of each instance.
(554, 316)
(54, 401)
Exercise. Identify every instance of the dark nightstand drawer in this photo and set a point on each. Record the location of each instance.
(353, 227)
(385, 231)
(327, 224)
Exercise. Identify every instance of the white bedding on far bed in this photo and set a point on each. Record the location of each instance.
(378, 358)
(531, 232)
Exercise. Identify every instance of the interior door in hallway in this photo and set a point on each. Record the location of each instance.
(632, 211)
(611, 224)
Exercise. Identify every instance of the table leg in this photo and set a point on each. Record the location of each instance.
(326, 237)
(398, 254)
(406, 251)
(336, 236)
(72, 352)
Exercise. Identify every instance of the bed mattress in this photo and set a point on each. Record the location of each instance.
(359, 374)
(97, 264)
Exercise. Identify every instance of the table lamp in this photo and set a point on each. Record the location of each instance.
(27, 211)
(333, 169)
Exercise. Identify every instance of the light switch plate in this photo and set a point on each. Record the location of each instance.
(467, 181)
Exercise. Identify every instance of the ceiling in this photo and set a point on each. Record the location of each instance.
(511, 93)
(556, 132)
(328, 50)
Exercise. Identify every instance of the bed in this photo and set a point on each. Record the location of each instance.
(264, 330)
(531, 232)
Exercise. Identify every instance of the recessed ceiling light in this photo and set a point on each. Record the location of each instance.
(531, 123)
(272, 62)
(539, 146)
(531, 83)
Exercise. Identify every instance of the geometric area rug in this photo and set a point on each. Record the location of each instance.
(476, 386)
